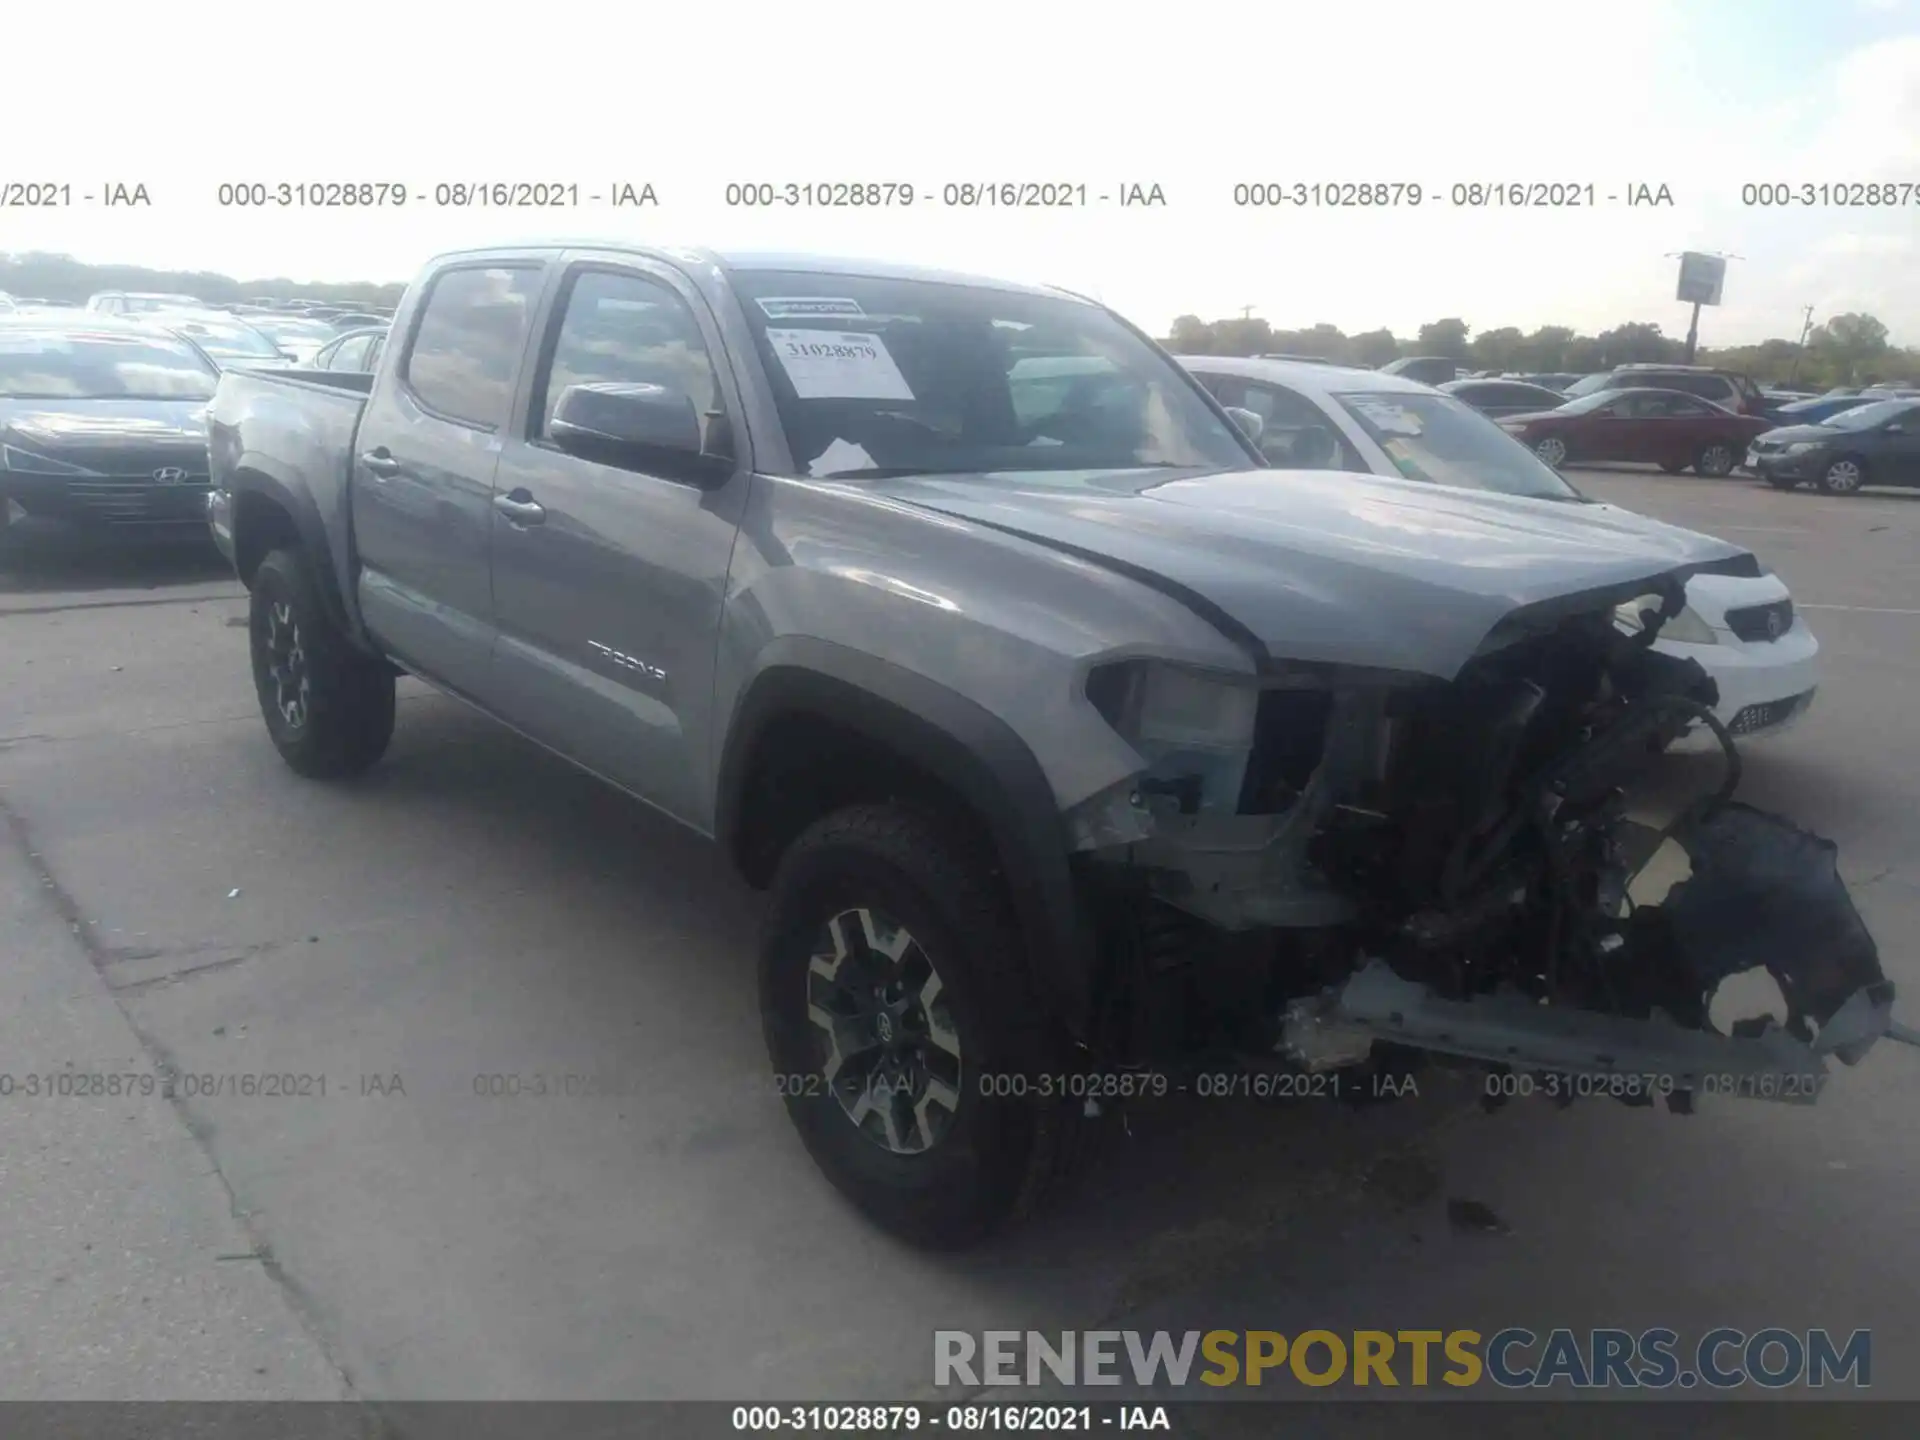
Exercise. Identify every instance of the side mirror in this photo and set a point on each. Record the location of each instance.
(635, 427)
(1251, 425)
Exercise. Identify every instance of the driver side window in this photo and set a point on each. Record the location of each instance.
(625, 328)
(1297, 434)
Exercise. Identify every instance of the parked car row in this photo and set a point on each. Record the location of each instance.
(1838, 443)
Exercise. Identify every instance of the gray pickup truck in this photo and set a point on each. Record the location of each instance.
(1077, 749)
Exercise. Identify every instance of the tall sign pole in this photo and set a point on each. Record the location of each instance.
(1702, 277)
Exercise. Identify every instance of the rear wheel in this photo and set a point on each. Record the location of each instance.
(905, 1034)
(328, 707)
(1715, 460)
(1553, 450)
(1844, 476)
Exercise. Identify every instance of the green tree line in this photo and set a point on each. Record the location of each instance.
(62, 278)
(1850, 349)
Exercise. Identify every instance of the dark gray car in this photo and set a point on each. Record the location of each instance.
(102, 422)
(1872, 444)
(1080, 756)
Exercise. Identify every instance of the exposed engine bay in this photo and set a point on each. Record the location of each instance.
(1329, 862)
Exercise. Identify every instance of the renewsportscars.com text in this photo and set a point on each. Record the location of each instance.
(1514, 1358)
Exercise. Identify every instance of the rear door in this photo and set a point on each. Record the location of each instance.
(608, 582)
(423, 478)
(1612, 432)
(1671, 426)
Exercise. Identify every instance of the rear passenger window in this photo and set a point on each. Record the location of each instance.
(468, 344)
(627, 329)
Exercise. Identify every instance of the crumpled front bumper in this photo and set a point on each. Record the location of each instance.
(1762, 893)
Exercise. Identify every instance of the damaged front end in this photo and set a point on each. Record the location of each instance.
(1317, 861)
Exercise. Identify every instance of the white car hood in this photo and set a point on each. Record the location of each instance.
(1711, 596)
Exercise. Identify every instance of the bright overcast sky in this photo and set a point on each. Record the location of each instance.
(1698, 95)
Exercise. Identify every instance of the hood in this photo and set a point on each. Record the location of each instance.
(1792, 434)
(101, 435)
(1330, 566)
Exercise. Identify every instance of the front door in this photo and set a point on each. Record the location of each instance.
(1896, 459)
(609, 583)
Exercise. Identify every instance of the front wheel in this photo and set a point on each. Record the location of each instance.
(1714, 461)
(328, 708)
(1844, 476)
(905, 1033)
(1553, 450)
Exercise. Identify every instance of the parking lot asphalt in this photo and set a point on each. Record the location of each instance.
(474, 910)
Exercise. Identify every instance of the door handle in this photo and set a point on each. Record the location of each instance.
(520, 508)
(380, 462)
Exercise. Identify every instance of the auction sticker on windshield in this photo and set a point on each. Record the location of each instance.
(838, 365)
(1388, 418)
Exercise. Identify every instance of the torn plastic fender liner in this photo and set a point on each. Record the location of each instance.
(1762, 892)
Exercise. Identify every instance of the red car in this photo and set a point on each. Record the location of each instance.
(1660, 427)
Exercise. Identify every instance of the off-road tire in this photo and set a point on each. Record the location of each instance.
(1002, 1153)
(346, 719)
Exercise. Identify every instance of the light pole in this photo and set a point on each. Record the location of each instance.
(1806, 329)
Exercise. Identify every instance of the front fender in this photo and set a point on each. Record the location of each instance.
(968, 749)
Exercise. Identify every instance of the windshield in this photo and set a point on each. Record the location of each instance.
(226, 341)
(41, 366)
(880, 376)
(1593, 400)
(1589, 384)
(1865, 417)
(1437, 438)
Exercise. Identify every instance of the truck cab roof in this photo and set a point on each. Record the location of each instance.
(698, 258)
